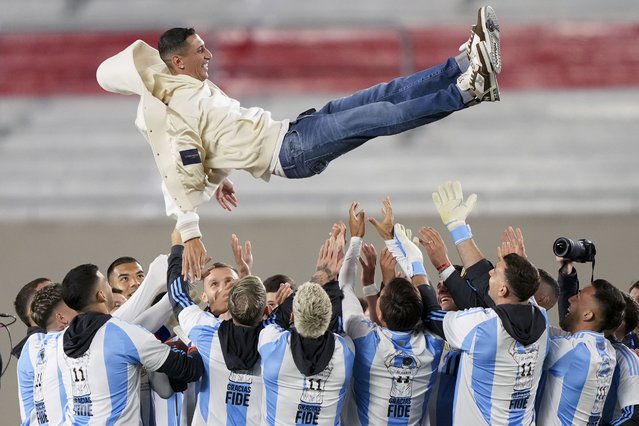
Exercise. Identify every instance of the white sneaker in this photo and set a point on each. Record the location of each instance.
(480, 78)
(487, 29)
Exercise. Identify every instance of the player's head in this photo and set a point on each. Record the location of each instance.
(118, 299)
(184, 52)
(49, 311)
(247, 301)
(513, 280)
(598, 307)
(399, 305)
(221, 273)
(444, 298)
(630, 317)
(548, 291)
(84, 289)
(634, 291)
(22, 304)
(312, 310)
(126, 274)
(272, 284)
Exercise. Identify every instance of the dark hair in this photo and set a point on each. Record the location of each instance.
(550, 282)
(219, 265)
(522, 276)
(630, 313)
(78, 286)
(173, 42)
(117, 262)
(272, 283)
(43, 304)
(363, 302)
(401, 305)
(611, 304)
(116, 291)
(24, 298)
(633, 286)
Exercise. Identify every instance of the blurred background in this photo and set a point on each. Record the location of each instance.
(556, 157)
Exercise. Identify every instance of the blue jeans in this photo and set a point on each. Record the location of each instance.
(317, 137)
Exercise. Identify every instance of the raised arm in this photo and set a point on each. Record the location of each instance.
(243, 256)
(154, 283)
(453, 210)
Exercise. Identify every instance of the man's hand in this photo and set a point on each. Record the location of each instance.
(566, 266)
(385, 227)
(449, 201)
(387, 264)
(176, 238)
(356, 221)
(338, 232)
(368, 260)
(433, 242)
(511, 241)
(225, 195)
(221, 302)
(329, 261)
(243, 258)
(283, 292)
(193, 258)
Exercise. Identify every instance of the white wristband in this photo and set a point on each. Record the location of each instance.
(371, 290)
(443, 275)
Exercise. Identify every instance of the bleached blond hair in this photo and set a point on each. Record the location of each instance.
(312, 310)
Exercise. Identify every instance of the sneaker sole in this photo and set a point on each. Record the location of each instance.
(493, 93)
(489, 32)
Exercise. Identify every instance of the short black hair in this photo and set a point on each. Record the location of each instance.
(272, 283)
(611, 304)
(549, 281)
(633, 286)
(173, 42)
(43, 304)
(522, 276)
(24, 298)
(117, 262)
(630, 313)
(78, 286)
(401, 305)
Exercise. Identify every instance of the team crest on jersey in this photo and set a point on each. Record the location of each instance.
(604, 377)
(310, 405)
(402, 367)
(238, 390)
(526, 358)
(79, 373)
(38, 395)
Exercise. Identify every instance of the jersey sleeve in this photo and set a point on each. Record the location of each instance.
(458, 325)
(25, 383)
(628, 391)
(150, 352)
(193, 316)
(269, 334)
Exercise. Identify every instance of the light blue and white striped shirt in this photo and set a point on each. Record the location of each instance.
(103, 385)
(624, 389)
(290, 398)
(577, 376)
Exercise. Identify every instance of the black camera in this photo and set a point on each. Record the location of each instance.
(576, 250)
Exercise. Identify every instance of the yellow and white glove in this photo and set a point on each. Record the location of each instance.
(453, 210)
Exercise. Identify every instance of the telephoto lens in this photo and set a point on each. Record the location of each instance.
(582, 250)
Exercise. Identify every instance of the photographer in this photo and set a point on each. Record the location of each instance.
(580, 364)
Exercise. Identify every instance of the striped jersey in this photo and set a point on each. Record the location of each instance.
(440, 406)
(577, 376)
(393, 373)
(103, 385)
(224, 397)
(624, 390)
(290, 398)
(498, 376)
(42, 399)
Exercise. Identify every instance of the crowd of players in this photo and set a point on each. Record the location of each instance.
(472, 346)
